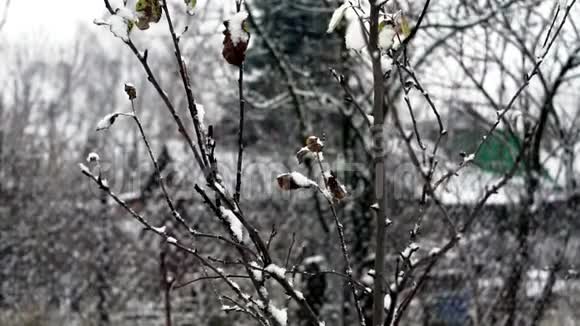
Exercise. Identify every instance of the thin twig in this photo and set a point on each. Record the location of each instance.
(142, 57)
(187, 86)
(410, 108)
(290, 250)
(241, 123)
(240, 135)
(500, 114)
(343, 246)
(203, 278)
(432, 260)
(161, 232)
(158, 172)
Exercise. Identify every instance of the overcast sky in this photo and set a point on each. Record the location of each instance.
(45, 20)
(49, 20)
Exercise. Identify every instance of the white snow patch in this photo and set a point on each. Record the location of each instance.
(118, 26)
(301, 180)
(535, 285)
(314, 260)
(387, 304)
(160, 229)
(386, 64)
(410, 249)
(337, 16)
(235, 225)
(354, 37)
(256, 271)
(371, 119)
(93, 157)
(276, 270)
(367, 279)
(386, 37)
(220, 188)
(128, 196)
(299, 294)
(200, 114)
(260, 304)
(107, 121)
(235, 27)
(435, 251)
(468, 158)
(232, 308)
(393, 287)
(235, 285)
(171, 240)
(84, 168)
(280, 315)
(263, 291)
(125, 13)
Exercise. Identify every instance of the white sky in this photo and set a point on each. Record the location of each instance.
(53, 21)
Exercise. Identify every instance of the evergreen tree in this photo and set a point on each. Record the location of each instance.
(291, 49)
(289, 58)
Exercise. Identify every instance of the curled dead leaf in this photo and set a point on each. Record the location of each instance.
(236, 38)
(314, 144)
(131, 91)
(337, 190)
(293, 181)
(148, 11)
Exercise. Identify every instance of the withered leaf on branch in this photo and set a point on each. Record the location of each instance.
(93, 157)
(313, 145)
(302, 154)
(236, 38)
(403, 27)
(120, 23)
(293, 181)
(131, 91)
(148, 11)
(107, 121)
(337, 190)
